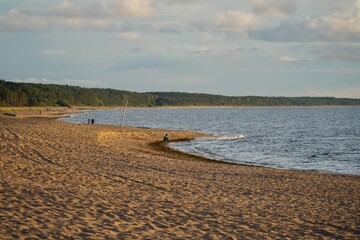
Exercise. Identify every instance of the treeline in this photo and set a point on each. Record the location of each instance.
(31, 94)
(196, 99)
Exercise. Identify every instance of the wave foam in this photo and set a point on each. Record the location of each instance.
(229, 138)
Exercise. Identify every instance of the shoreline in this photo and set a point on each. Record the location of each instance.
(35, 109)
(331, 171)
(166, 147)
(206, 107)
(62, 112)
(65, 180)
(37, 112)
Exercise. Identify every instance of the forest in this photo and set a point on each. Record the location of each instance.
(13, 94)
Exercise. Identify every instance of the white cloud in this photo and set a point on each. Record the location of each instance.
(85, 83)
(197, 50)
(236, 20)
(341, 93)
(277, 8)
(54, 52)
(338, 5)
(210, 37)
(135, 8)
(235, 49)
(163, 27)
(97, 15)
(104, 9)
(338, 52)
(18, 21)
(73, 82)
(35, 80)
(129, 36)
(337, 27)
(346, 22)
(85, 24)
(288, 59)
(181, 1)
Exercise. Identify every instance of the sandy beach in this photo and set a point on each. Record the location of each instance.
(71, 181)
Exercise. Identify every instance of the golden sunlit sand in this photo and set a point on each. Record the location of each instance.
(64, 181)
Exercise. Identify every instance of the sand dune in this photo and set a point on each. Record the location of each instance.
(68, 181)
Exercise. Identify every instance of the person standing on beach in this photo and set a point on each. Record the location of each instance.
(92, 121)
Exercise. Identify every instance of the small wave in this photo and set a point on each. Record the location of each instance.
(205, 153)
(229, 138)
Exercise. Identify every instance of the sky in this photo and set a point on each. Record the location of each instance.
(227, 47)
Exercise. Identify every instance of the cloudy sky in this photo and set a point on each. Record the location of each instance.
(229, 47)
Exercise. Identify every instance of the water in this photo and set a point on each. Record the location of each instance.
(312, 139)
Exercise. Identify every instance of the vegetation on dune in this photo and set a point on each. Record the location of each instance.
(14, 94)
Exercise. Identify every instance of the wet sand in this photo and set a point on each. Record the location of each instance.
(69, 181)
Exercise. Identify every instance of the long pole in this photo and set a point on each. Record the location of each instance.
(123, 114)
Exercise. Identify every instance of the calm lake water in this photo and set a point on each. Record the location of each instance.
(312, 139)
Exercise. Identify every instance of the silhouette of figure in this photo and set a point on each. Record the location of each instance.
(92, 121)
(166, 138)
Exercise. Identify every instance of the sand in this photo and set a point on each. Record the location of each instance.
(68, 181)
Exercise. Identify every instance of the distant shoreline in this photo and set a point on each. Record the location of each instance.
(32, 94)
(79, 108)
(34, 110)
